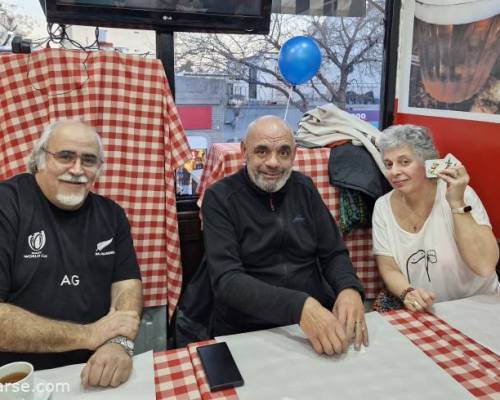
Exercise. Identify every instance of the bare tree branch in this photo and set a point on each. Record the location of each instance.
(351, 53)
(376, 6)
(11, 20)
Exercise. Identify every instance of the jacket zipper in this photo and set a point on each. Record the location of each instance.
(281, 228)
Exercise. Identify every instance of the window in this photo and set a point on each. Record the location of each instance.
(247, 66)
(223, 81)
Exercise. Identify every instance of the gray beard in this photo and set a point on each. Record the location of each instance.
(269, 187)
(70, 200)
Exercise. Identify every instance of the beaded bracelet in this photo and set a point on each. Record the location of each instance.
(403, 294)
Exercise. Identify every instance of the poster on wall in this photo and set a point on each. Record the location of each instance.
(450, 59)
(188, 177)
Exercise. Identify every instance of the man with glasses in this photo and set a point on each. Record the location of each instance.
(70, 288)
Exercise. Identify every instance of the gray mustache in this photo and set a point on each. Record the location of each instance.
(73, 179)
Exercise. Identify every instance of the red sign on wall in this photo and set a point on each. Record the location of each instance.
(195, 117)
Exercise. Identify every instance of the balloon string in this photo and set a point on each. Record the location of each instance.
(288, 102)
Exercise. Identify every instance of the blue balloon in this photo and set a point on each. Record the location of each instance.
(299, 59)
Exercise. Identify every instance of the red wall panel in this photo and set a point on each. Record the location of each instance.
(195, 117)
(477, 145)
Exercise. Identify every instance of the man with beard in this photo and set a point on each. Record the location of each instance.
(274, 254)
(70, 288)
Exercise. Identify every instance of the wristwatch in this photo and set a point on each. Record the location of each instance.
(461, 210)
(125, 342)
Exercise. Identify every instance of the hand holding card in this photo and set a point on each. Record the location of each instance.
(456, 177)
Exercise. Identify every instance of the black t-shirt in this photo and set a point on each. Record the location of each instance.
(60, 264)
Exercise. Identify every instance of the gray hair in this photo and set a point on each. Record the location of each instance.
(38, 157)
(416, 137)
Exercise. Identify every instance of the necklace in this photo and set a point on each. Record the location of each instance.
(412, 225)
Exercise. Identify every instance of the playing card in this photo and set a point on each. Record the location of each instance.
(431, 167)
(450, 161)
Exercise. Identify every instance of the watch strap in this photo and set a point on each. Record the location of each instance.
(461, 210)
(126, 343)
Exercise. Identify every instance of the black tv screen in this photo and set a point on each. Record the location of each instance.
(229, 16)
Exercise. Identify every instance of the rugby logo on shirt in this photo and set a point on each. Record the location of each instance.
(101, 246)
(36, 242)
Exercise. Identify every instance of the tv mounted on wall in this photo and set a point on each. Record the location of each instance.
(228, 16)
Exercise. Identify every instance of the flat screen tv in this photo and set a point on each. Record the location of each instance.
(229, 16)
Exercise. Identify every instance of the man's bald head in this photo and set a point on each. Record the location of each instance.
(268, 125)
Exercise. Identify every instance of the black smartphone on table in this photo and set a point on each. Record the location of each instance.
(219, 366)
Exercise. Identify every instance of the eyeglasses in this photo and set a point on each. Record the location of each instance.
(67, 157)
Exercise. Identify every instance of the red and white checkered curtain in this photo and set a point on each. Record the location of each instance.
(128, 100)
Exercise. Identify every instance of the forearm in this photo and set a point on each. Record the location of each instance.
(476, 244)
(127, 296)
(253, 297)
(395, 281)
(25, 332)
(332, 252)
(339, 273)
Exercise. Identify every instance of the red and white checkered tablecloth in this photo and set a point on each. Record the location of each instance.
(472, 365)
(128, 100)
(225, 159)
(174, 376)
(179, 375)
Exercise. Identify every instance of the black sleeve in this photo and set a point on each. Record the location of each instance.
(126, 266)
(332, 252)
(8, 235)
(231, 284)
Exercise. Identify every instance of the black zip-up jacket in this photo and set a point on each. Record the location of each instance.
(268, 252)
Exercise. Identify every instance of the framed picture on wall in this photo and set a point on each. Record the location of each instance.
(449, 62)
